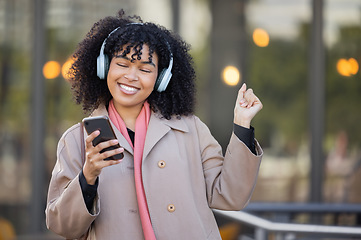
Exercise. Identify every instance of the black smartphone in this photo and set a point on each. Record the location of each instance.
(102, 124)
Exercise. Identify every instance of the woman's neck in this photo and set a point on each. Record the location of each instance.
(129, 115)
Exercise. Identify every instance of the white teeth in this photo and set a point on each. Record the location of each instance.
(127, 88)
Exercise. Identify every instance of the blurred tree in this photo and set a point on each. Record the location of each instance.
(343, 94)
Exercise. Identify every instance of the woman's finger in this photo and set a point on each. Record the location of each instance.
(106, 144)
(110, 153)
(241, 92)
(90, 138)
(251, 98)
(249, 95)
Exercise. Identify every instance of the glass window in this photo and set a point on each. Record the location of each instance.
(342, 33)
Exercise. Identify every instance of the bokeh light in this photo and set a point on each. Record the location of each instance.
(51, 69)
(66, 68)
(354, 66)
(348, 67)
(231, 75)
(260, 37)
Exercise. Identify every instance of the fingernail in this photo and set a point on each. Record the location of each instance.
(115, 141)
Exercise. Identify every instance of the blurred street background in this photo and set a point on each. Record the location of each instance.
(301, 58)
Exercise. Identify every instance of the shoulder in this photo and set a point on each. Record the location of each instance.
(70, 137)
(196, 123)
(69, 153)
(72, 131)
(190, 123)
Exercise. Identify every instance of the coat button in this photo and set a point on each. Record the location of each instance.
(161, 164)
(171, 208)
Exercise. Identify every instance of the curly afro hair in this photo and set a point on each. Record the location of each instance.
(179, 97)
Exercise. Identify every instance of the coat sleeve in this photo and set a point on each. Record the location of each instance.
(230, 179)
(66, 212)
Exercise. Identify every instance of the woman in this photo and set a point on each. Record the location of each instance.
(173, 171)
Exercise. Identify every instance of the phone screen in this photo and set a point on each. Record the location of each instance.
(102, 124)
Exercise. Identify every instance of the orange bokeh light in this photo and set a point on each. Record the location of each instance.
(354, 66)
(347, 67)
(51, 69)
(260, 37)
(66, 69)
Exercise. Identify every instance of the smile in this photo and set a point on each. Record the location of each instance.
(127, 89)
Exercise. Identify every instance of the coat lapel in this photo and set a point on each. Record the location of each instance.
(158, 127)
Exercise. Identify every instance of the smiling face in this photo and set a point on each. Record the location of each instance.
(131, 82)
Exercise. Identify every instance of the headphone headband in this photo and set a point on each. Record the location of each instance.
(103, 64)
(105, 40)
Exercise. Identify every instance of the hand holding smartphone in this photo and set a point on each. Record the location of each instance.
(102, 124)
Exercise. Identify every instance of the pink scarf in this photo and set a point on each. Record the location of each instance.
(141, 126)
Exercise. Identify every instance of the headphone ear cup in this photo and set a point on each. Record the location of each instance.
(159, 80)
(102, 66)
(106, 66)
(163, 79)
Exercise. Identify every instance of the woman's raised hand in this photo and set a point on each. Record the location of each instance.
(247, 106)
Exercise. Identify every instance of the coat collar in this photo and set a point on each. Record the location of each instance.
(158, 127)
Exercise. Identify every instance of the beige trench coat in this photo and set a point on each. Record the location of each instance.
(184, 176)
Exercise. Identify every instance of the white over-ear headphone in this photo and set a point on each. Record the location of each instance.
(103, 59)
(163, 77)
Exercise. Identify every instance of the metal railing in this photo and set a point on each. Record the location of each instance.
(291, 208)
(263, 227)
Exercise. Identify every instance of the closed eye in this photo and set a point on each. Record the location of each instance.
(146, 70)
(122, 65)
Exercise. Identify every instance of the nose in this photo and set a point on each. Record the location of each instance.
(132, 74)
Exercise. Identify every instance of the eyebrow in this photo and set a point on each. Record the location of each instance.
(127, 58)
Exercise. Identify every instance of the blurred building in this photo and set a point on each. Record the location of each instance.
(267, 44)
